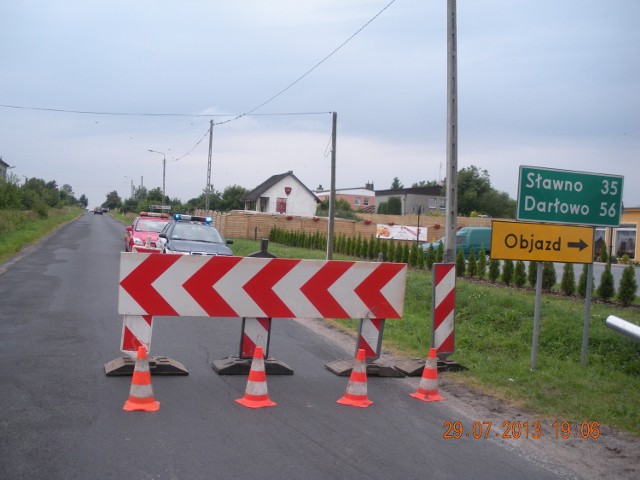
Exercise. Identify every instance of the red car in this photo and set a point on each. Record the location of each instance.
(142, 234)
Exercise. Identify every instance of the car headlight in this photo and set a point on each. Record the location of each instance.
(137, 241)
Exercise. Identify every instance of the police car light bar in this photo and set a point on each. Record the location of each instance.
(192, 218)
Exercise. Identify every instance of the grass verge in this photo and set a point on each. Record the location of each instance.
(23, 227)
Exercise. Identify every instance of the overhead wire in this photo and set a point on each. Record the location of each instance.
(234, 116)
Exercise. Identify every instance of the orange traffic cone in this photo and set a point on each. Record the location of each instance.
(256, 394)
(428, 388)
(356, 395)
(141, 393)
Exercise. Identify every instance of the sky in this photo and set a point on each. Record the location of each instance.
(88, 88)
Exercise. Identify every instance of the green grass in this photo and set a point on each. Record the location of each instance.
(19, 227)
(494, 330)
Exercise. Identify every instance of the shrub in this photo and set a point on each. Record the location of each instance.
(439, 253)
(507, 272)
(460, 264)
(548, 276)
(494, 270)
(532, 274)
(628, 286)
(520, 275)
(606, 289)
(582, 281)
(568, 282)
(430, 257)
(482, 264)
(472, 265)
(603, 253)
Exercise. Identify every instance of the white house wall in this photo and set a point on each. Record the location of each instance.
(299, 201)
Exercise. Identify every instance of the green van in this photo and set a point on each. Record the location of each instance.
(473, 237)
(466, 238)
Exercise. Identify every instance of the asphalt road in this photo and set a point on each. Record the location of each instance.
(62, 417)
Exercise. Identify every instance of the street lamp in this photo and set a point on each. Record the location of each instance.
(164, 168)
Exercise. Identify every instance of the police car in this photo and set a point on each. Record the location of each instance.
(192, 235)
(142, 234)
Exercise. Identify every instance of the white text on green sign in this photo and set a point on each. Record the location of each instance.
(561, 196)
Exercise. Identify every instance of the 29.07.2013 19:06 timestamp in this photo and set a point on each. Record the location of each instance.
(516, 429)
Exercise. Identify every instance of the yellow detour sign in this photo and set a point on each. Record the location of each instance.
(541, 242)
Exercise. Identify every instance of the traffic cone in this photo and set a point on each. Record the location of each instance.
(256, 394)
(141, 393)
(428, 388)
(356, 394)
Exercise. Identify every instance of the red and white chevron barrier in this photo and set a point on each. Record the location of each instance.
(189, 285)
(257, 288)
(443, 308)
(370, 337)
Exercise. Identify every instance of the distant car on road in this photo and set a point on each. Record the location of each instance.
(97, 211)
(143, 231)
(191, 235)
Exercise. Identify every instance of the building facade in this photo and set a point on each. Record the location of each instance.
(281, 194)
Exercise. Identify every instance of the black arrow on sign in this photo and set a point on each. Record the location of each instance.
(581, 245)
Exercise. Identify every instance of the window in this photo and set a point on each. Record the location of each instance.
(626, 240)
(357, 201)
(366, 201)
(433, 203)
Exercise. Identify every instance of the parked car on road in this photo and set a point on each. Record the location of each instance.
(143, 231)
(191, 235)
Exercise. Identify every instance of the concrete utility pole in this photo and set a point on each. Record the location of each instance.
(208, 190)
(332, 194)
(452, 135)
(164, 170)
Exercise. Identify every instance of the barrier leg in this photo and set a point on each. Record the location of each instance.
(370, 341)
(136, 332)
(255, 333)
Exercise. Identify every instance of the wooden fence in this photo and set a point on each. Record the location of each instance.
(254, 225)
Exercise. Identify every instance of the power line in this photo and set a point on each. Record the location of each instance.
(201, 115)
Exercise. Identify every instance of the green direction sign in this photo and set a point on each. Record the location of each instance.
(561, 196)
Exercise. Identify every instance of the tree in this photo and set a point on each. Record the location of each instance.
(628, 286)
(231, 198)
(603, 253)
(439, 253)
(520, 275)
(548, 276)
(430, 257)
(482, 264)
(606, 289)
(476, 194)
(568, 282)
(394, 206)
(83, 200)
(582, 281)
(472, 265)
(460, 264)
(507, 272)
(430, 183)
(494, 270)
(532, 274)
(396, 184)
(113, 201)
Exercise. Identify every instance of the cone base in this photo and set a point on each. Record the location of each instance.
(427, 397)
(256, 403)
(363, 403)
(130, 406)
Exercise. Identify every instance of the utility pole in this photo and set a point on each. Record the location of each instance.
(332, 194)
(451, 194)
(208, 190)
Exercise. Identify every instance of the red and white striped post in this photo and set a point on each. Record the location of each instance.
(443, 309)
